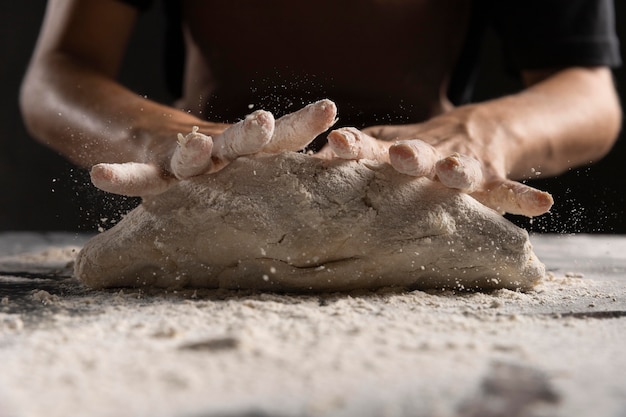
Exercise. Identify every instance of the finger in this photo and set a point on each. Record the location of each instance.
(414, 157)
(513, 197)
(351, 143)
(192, 155)
(296, 130)
(325, 153)
(131, 179)
(243, 138)
(344, 143)
(460, 171)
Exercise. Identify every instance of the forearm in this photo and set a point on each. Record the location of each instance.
(89, 118)
(570, 118)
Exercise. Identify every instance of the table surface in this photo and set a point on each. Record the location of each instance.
(555, 351)
(598, 257)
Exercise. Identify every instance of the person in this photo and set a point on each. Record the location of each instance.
(399, 71)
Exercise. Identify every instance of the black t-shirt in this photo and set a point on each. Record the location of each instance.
(539, 34)
(534, 33)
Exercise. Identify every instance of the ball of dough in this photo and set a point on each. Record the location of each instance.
(293, 222)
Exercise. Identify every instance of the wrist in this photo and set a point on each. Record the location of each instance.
(507, 140)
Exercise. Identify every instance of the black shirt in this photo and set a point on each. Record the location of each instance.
(534, 33)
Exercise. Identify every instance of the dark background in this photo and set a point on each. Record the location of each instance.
(39, 190)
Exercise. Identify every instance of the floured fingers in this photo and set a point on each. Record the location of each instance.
(414, 157)
(192, 155)
(460, 171)
(351, 143)
(513, 197)
(131, 179)
(246, 137)
(295, 131)
(419, 159)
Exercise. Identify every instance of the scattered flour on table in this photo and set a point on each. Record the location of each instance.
(361, 353)
(44, 297)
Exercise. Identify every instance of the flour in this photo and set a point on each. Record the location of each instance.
(44, 297)
(206, 352)
(297, 223)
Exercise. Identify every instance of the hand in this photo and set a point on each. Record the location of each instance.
(463, 149)
(197, 154)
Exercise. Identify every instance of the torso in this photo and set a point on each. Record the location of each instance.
(368, 55)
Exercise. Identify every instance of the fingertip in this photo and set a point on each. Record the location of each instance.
(530, 201)
(344, 143)
(450, 163)
(539, 202)
(104, 176)
(412, 158)
(327, 108)
(200, 144)
(295, 131)
(245, 137)
(400, 153)
(192, 156)
(262, 120)
(325, 112)
(130, 179)
(513, 197)
(459, 172)
(101, 174)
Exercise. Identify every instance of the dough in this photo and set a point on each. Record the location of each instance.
(293, 222)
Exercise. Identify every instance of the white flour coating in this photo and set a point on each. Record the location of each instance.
(297, 223)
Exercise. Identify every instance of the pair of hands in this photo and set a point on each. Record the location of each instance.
(451, 149)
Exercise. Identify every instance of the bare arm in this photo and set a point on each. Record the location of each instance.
(71, 101)
(562, 120)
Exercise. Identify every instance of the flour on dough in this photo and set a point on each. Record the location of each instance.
(292, 222)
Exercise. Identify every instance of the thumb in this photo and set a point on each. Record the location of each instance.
(132, 179)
